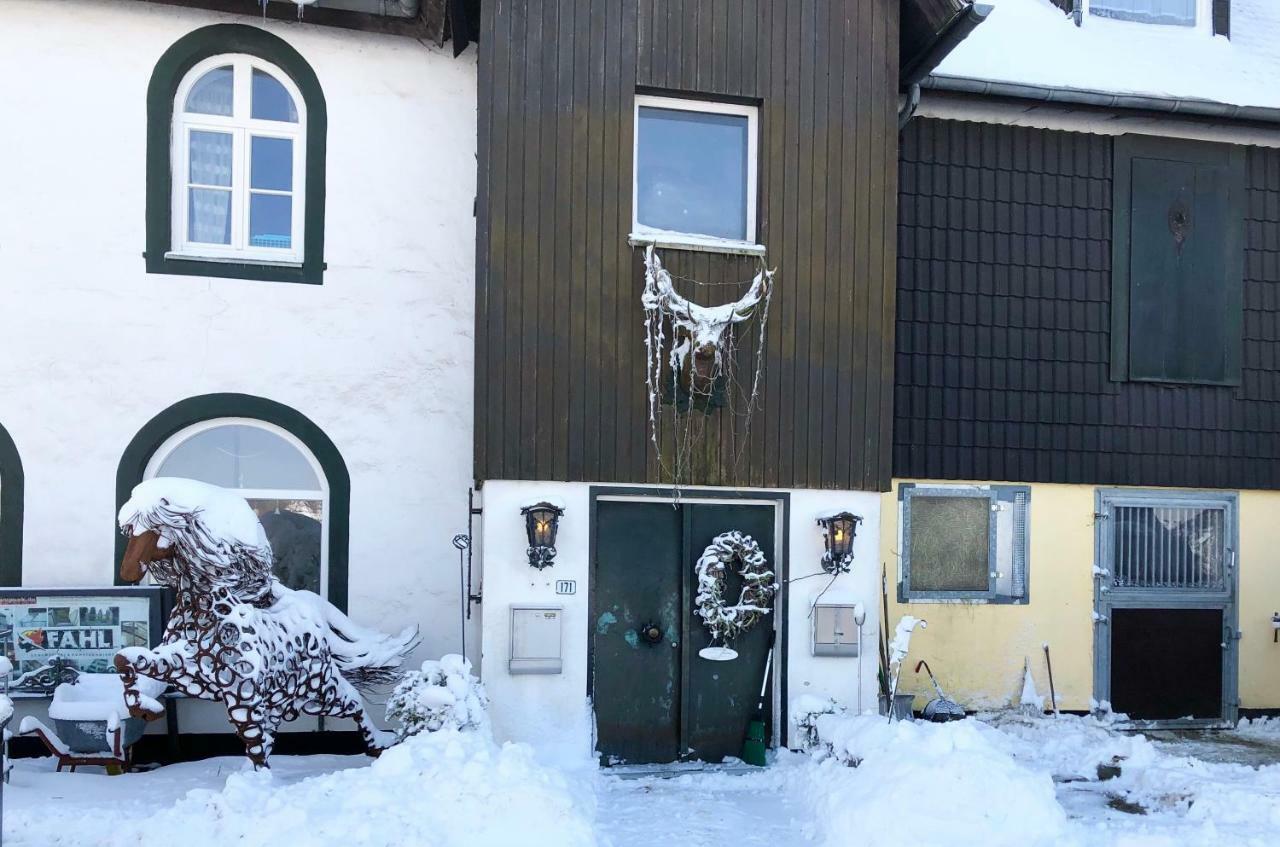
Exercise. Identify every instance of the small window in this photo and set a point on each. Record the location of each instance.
(238, 148)
(695, 172)
(1178, 261)
(1170, 12)
(964, 543)
(275, 473)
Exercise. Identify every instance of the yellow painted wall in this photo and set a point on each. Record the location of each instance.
(1259, 598)
(977, 650)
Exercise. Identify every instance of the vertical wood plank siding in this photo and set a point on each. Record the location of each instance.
(559, 332)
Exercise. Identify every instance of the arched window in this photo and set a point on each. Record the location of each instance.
(236, 129)
(275, 473)
(238, 162)
(273, 456)
(11, 484)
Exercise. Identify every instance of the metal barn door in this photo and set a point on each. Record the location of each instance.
(655, 699)
(1165, 634)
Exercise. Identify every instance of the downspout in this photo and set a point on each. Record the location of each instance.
(381, 8)
(907, 110)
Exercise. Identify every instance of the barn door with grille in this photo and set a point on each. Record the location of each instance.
(1165, 607)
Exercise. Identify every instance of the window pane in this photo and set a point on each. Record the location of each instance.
(1181, 12)
(271, 102)
(209, 216)
(293, 527)
(691, 172)
(272, 166)
(210, 158)
(270, 220)
(212, 93)
(241, 456)
(950, 543)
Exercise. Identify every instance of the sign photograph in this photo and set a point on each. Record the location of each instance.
(83, 626)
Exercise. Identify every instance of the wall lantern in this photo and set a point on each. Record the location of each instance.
(541, 521)
(838, 534)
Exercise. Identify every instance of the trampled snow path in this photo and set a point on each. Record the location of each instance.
(738, 809)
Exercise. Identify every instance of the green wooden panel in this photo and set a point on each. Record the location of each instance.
(636, 688)
(1177, 303)
(1178, 308)
(720, 697)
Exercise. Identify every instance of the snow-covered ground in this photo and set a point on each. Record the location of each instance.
(1003, 780)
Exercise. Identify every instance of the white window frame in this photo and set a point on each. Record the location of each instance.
(1204, 18)
(241, 127)
(643, 235)
(183, 435)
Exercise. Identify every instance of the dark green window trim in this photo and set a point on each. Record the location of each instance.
(11, 493)
(185, 53)
(180, 415)
(1230, 157)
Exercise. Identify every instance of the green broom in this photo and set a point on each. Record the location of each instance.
(754, 745)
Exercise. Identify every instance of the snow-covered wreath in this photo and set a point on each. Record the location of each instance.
(741, 552)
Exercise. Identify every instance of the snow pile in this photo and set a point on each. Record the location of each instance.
(1266, 728)
(441, 695)
(226, 516)
(1033, 42)
(925, 783)
(805, 711)
(443, 789)
(1173, 788)
(1070, 747)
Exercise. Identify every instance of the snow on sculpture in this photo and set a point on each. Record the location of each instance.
(236, 635)
(701, 351)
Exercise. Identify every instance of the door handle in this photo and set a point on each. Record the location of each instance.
(651, 633)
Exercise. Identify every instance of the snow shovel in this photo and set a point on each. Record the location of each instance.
(754, 745)
(941, 708)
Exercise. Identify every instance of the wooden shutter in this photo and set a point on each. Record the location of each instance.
(1222, 17)
(1178, 261)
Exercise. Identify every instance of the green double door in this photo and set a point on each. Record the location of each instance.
(656, 700)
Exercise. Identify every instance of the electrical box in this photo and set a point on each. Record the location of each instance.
(835, 630)
(535, 639)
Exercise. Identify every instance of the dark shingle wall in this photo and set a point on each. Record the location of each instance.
(1003, 330)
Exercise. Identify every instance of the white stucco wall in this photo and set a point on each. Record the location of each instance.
(554, 708)
(380, 356)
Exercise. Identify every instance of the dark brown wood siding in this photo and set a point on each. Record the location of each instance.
(1004, 324)
(559, 329)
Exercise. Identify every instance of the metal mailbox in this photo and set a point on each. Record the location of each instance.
(835, 631)
(535, 639)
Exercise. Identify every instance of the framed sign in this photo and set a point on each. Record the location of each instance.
(84, 626)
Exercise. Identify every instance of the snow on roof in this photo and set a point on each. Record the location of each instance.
(1031, 42)
(226, 515)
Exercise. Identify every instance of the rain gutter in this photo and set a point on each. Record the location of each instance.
(1088, 97)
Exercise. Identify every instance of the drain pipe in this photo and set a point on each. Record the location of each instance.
(381, 8)
(907, 110)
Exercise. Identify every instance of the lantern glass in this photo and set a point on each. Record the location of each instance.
(541, 522)
(841, 530)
